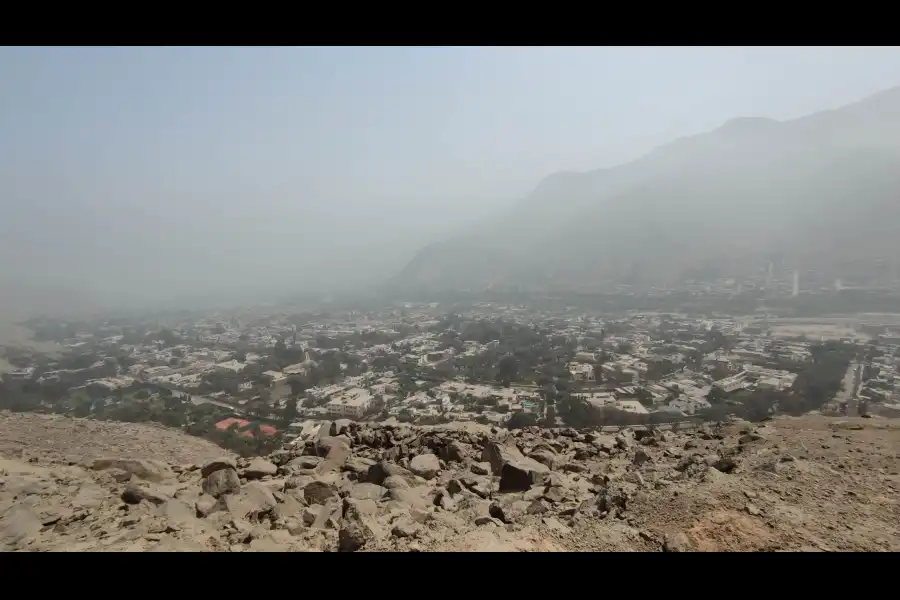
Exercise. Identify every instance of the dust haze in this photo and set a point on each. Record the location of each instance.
(142, 176)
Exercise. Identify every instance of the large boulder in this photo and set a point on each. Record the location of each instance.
(367, 491)
(412, 497)
(259, 468)
(382, 470)
(517, 472)
(456, 451)
(358, 467)
(425, 465)
(253, 500)
(358, 528)
(318, 492)
(335, 450)
(223, 462)
(221, 482)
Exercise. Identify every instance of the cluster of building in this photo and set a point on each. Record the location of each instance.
(639, 363)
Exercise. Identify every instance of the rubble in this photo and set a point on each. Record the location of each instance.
(378, 487)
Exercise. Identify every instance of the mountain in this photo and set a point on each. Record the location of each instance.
(820, 192)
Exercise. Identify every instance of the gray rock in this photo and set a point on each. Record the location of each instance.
(712, 475)
(359, 467)
(446, 502)
(335, 450)
(456, 452)
(425, 465)
(641, 457)
(340, 427)
(367, 491)
(454, 487)
(556, 494)
(260, 496)
(382, 470)
(409, 497)
(134, 494)
(304, 462)
(480, 468)
(546, 458)
(259, 468)
(311, 513)
(517, 473)
(19, 524)
(318, 492)
(404, 527)
(220, 482)
(204, 505)
(353, 536)
(225, 462)
(150, 470)
(611, 497)
(357, 529)
(252, 501)
(288, 507)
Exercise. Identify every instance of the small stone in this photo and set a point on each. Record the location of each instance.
(405, 528)
(641, 457)
(480, 468)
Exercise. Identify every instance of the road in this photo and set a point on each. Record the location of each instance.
(850, 384)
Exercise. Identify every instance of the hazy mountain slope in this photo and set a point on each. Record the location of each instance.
(822, 189)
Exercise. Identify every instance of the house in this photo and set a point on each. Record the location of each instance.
(351, 404)
(278, 384)
(733, 383)
(581, 371)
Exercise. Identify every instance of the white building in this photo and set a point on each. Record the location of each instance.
(581, 372)
(278, 384)
(731, 384)
(352, 404)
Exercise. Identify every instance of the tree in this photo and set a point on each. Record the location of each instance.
(550, 418)
(290, 412)
(507, 370)
(521, 419)
(716, 395)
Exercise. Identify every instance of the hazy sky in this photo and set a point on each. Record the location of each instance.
(161, 171)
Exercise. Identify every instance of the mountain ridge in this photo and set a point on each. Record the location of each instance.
(726, 188)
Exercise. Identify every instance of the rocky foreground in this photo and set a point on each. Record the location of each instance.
(789, 484)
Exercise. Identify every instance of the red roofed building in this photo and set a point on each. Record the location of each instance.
(224, 424)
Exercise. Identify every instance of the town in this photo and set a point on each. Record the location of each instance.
(253, 379)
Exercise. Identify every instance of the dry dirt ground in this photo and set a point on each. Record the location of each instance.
(55, 439)
(810, 484)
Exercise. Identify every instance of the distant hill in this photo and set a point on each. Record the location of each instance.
(820, 191)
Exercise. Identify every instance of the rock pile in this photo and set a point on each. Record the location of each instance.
(355, 487)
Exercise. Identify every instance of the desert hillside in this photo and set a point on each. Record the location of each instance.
(809, 483)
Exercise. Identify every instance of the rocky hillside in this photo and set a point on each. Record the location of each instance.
(788, 484)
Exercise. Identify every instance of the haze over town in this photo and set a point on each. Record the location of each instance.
(147, 176)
